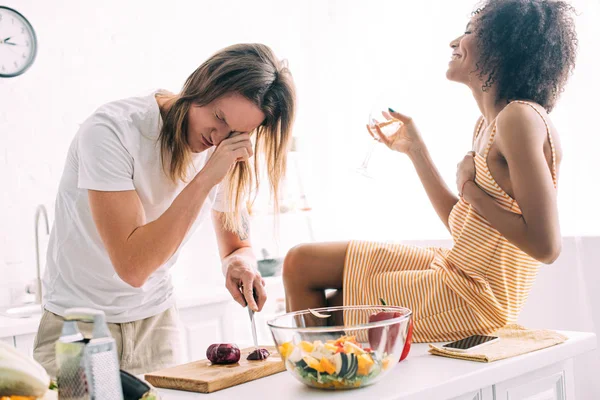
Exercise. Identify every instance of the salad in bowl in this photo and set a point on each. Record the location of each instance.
(342, 347)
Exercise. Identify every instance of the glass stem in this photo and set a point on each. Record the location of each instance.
(365, 163)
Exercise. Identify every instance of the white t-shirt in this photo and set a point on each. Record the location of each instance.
(115, 149)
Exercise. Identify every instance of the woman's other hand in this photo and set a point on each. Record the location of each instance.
(465, 172)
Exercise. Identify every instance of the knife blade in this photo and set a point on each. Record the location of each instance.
(251, 314)
(253, 325)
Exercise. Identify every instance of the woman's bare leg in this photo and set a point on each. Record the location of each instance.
(308, 270)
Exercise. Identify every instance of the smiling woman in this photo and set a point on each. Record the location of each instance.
(142, 174)
(514, 57)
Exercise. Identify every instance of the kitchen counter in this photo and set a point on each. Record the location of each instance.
(19, 326)
(424, 376)
(29, 325)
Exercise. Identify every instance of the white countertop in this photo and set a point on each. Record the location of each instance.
(420, 376)
(18, 326)
(26, 326)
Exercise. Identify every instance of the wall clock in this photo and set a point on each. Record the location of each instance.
(18, 44)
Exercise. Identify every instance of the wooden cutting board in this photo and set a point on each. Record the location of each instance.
(204, 377)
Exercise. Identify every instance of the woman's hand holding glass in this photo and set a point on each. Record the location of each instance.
(398, 132)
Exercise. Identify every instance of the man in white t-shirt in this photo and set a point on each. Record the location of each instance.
(141, 175)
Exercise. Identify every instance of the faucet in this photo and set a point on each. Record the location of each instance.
(40, 211)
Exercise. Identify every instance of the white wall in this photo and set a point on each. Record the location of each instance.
(343, 54)
(91, 53)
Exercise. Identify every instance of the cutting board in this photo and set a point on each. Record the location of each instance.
(204, 377)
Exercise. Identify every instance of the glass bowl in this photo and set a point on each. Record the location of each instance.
(342, 347)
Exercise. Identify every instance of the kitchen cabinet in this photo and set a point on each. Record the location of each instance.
(204, 325)
(477, 395)
(548, 383)
(551, 383)
(24, 343)
(8, 340)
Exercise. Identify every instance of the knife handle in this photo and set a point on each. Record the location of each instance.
(241, 288)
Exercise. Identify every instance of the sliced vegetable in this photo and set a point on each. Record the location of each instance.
(307, 346)
(327, 366)
(313, 363)
(341, 363)
(331, 347)
(406, 348)
(350, 347)
(352, 366)
(318, 314)
(258, 355)
(365, 363)
(20, 375)
(385, 363)
(286, 349)
(296, 355)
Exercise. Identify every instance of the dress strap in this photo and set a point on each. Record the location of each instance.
(478, 129)
(490, 140)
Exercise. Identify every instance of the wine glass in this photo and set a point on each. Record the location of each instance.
(378, 116)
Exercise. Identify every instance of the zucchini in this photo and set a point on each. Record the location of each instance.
(136, 389)
(20, 375)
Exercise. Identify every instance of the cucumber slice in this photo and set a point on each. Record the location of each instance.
(352, 367)
(301, 364)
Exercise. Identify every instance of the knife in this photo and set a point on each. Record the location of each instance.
(251, 313)
(252, 323)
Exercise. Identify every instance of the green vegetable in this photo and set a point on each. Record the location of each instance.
(136, 389)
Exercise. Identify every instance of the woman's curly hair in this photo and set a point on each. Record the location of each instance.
(527, 48)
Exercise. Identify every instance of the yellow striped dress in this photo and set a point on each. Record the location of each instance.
(476, 287)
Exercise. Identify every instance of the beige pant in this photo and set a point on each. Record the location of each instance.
(142, 346)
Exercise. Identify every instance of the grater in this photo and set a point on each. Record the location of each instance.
(88, 369)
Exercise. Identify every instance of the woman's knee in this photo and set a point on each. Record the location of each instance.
(293, 262)
(315, 265)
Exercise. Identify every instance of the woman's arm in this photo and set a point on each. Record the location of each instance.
(137, 248)
(440, 196)
(408, 140)
(239, 263)
(520, 137)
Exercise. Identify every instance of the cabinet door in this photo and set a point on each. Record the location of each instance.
(8, 340)
(470, 396)
(25, 343)
(486, 393)
(201, 335)
(203, 326)
(545, 384)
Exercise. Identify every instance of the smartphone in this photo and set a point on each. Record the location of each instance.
(470, 343)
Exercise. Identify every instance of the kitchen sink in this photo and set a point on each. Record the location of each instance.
(24, 311)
